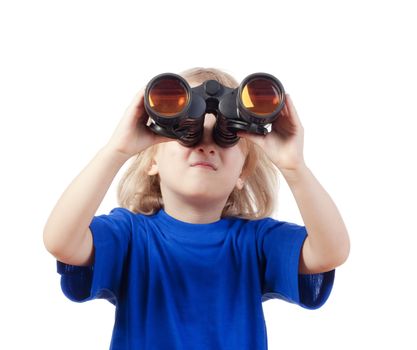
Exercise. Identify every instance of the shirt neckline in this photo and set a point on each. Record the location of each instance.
(201, 232)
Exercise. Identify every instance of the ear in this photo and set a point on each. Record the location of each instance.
(153, 170)
(239, 183)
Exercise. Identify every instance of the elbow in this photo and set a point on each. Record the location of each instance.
(54, 248)
(340, 260)
(337, 256)
(341, 253)
(330, 264)
(53, 243)
(345, 249)
(50, 243)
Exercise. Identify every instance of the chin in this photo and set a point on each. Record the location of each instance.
(208, 195)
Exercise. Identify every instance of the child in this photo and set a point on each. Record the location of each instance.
(191, 254)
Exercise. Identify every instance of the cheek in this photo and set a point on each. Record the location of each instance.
(172, 154)
(172, 163)
(235, 159)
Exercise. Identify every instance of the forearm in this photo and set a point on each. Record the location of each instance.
(328, 236)
(72, 214)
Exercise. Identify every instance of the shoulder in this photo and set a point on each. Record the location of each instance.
(270, 229)
(253, 224)
(268, 224)
(117, 220)
(264, 224)
(133, 221)
(256, 227)
(119, 225)
(123, 214)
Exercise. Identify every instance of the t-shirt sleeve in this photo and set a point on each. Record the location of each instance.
(102, 280)
(280, 245)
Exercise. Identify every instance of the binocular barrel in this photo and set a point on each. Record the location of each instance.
(177, 110)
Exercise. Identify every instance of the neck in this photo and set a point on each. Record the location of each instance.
(194, 213)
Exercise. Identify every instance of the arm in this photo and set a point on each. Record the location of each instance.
(66, 234)
(327, 244)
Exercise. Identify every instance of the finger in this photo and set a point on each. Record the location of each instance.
(292, 111)
(139, 95)
(137, 104)
(284, 125)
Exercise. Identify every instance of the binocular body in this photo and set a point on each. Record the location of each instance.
(177, 111)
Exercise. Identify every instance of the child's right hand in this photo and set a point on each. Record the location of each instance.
(132, 136)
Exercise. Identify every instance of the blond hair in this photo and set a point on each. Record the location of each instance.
(141, 193)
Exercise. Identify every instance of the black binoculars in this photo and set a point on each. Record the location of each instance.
(177, 111)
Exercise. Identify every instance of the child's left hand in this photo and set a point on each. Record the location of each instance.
(284, 144)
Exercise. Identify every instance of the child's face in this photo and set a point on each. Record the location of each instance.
(179, 177)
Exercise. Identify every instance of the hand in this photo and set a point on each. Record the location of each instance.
(284, 144)
(132, 135)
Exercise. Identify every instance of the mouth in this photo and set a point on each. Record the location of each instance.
(206, 165)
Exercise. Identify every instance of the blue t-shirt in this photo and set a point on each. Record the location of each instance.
(182, 286)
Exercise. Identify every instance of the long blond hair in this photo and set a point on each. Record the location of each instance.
(141, 193)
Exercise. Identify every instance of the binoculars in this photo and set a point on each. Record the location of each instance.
(177, 111)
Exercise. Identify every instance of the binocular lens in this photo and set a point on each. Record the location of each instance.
(168, 97)
(261, 96)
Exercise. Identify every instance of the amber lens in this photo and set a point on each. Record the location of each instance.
(168, 97)
(261, 96)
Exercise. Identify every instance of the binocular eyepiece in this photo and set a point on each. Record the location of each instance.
(177, 111)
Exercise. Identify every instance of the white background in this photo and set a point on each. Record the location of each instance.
(70, 69)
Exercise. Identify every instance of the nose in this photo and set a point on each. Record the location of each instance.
(207, 143)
